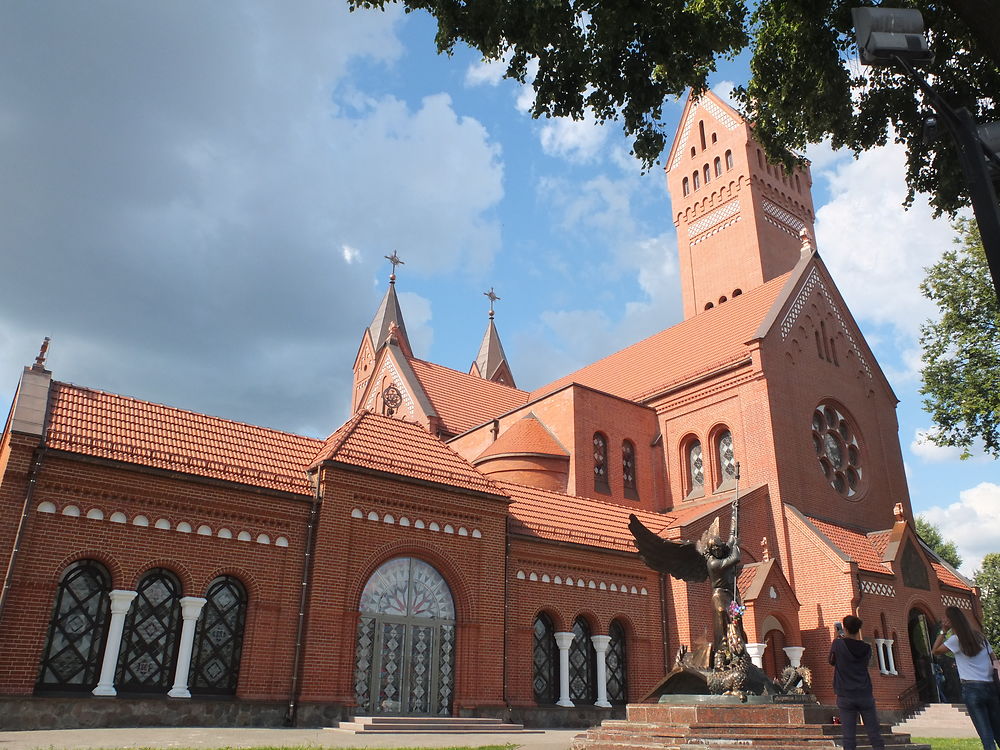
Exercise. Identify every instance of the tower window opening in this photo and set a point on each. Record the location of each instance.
(693, 152)
(729, 160)
(714, 138)
(709, 305)
(798, 184)
(701, 132)
(737, 292)
(760, 158)
(723, 299)
(696, 180)
(707, 173)
(718, 166)
(686, 186)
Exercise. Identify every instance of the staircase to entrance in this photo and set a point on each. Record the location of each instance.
(939, 720)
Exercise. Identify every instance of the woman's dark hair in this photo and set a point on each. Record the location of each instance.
(970, 640)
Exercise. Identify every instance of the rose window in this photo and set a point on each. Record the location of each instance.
(837, 450)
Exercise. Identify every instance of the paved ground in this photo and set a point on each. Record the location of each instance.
(197, 737)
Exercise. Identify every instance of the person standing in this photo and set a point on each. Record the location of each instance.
(850, 656)
(974, 659)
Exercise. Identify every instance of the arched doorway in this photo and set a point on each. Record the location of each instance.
(920, 650)
(405, 658)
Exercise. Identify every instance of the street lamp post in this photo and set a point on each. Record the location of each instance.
(895, 36)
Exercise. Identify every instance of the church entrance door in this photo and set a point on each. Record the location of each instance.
(405, 657)
(920, 650)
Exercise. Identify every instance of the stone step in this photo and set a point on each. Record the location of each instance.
(940, 720)
(428, 725)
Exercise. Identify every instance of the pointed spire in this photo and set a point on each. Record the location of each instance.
(491, 363)
(388, 320)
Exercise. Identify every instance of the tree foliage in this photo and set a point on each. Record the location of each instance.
(961, 349)
(621, 59)
(987, 578)
(933, 539)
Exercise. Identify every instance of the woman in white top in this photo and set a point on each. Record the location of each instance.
(974, 659)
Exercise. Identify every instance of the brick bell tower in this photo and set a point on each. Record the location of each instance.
(738, 217)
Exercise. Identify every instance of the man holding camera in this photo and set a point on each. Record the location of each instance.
(850, 656)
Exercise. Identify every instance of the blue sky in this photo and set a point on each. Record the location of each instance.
(197, 200)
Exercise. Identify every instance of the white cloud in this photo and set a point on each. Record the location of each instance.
(972, 523)
(485, 72)
(923, 447)
(876, 251)
(350, 254)
(575, 140)
(724, 90)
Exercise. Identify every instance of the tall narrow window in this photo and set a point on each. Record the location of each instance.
(218, 641)
(696, 180)
(582, 665)
(601, 483)
(726, 459)
(686, 186)
(701, 133)
(77, 630)
(708, 174)
(545, 655)
(696, 468)
(718, 166)
(617, 665)
(729, 160)
(152, 636)
(628, 470)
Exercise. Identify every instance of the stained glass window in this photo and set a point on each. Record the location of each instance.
(696, 467)
(218, 640)
(837, 449)
(546, 661)
(628, 470)
(617, 665)
(77, 630)
(726, 458)
(601, 463)
(582, 664)
(152, 635)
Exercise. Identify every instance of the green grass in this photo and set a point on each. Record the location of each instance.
(948, 743)
(508, 746)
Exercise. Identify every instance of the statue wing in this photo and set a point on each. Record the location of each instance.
(680, 559)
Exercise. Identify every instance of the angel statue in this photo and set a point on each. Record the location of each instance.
(711, 558)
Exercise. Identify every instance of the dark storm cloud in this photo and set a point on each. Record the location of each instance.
(179, 187)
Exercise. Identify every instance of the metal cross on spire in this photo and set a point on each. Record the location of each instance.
(493, 298)
(394, 259)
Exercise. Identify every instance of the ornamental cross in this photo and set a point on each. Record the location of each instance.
(491, 295)
(394, 259)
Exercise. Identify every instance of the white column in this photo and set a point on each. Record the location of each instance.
(880, 652)
(794, 654)
(120, 602)
(756, 651)
(190, 609)
(889, 659)
(601, 643)
(563, 641)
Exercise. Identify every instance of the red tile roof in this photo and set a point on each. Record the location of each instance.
(526, 435)
(704, 343)
(372, 441)
(464, 401)
(880, 540)
(947, 578)
(567, 518)
(855, 544)
(106, 425)
(747, 576)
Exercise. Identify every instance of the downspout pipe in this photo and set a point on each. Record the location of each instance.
(291, 712)
(22, 524)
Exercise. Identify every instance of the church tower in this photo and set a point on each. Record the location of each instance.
(738, 217)
(491, 362)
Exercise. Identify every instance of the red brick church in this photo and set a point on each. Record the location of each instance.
(460, 545)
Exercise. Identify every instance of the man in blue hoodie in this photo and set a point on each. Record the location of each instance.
(849, 656)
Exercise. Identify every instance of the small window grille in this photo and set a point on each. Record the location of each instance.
(628, 470)
(601, 483)
(727, 458)
(582, 665)
(545, 655)
(617, 665)
(696, 467)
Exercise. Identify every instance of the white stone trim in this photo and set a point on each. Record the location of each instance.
(709, 220)
(877, 588)
(624, 588)
(418, 523)
(961, 602)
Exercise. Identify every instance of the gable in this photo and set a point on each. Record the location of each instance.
(706, 105)
(393, 369)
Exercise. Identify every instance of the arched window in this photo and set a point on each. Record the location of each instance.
(708, 174)
(148, 656)
(78, 629)
(582, 665)
(701, 132)
(545, 656)
(718, 166)
(218, 641)
(696, 468)
(774, 655)
(628, 470)
(601, 482)
(693, 152)
(696, 180)
(714, 137)
(686, 186)
(617, 665)
(798, 185)
(737, 292)
(725, 458)
(709, 305)
(760, 158)
(729, 160)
